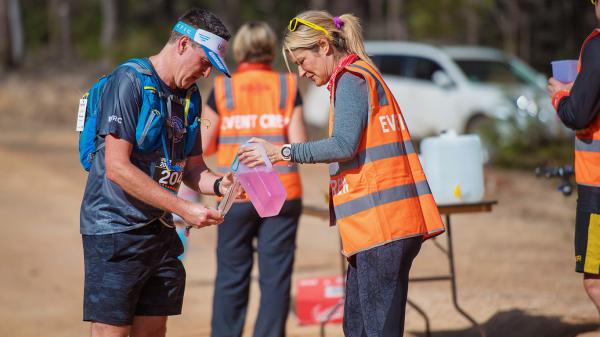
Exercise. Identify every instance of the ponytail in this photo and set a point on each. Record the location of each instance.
(352, 34)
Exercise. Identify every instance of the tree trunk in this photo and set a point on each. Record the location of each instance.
(59, 29)
(339, 7)
(64, 17)
(507, 16)
(109, 27)
(376, 25)
(229, 13)
(169, 10)
(471, 13)
(525, 37)
(15, 31)
(266, 8)
(318, 4)
(396, 26)
(4, 59)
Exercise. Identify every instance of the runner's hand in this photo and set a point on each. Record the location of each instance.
(555, 86)
(198, 215)
(227, 182)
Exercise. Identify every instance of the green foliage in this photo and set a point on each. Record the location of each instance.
(86, 29)
(35, 24)
(526, 147)
(436, 20)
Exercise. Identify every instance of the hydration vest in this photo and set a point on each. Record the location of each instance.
(151, 133)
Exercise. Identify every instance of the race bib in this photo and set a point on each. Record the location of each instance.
(168, 179)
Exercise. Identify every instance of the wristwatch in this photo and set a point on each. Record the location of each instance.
(286, 152)
(216, 187)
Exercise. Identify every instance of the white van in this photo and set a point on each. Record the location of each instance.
(452, 87)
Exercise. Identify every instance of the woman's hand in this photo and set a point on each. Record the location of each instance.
(251, 157)
(555, 86)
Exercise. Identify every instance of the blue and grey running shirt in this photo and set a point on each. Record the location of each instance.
(106, 208)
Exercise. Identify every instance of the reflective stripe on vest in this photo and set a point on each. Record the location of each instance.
(587, 145)
(381, 96)
(256, 103)
(279, 168)
(242, 139)
(373, 154)
(228, 93)
(587, 142)
(282, 91)
(381, 195)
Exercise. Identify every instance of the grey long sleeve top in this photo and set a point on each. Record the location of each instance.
(351, 115)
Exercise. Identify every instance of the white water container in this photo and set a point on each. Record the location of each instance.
(453, 165)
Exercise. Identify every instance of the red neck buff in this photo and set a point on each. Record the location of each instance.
(349, 59)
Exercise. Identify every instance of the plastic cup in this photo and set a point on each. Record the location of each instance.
(564, 70)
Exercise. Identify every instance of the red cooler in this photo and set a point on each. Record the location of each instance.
(320, 299)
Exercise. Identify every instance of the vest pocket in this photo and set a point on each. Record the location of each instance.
(191, 136)
(150, 124)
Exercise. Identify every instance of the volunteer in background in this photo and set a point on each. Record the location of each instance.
(255, 102)
(379, 196)
(578, 105)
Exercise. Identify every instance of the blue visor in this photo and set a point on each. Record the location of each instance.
(216, 60)
(213, 45)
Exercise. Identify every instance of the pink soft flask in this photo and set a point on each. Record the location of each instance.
(262, 185)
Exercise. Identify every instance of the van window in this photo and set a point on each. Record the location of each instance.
(424, 68)
(394, 65)
(418, 68)
(489, 71)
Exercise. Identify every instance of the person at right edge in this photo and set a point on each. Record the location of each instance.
(578, 104)
(256, 101)
(379, 196)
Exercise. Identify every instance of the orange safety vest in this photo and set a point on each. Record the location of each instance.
(587, 143)
(256, 102)
(381, 195)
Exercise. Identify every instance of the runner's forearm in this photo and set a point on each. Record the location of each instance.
(199, 177)
(579, 109)
(139, 185)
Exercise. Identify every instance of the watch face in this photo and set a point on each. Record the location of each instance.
(286, 152)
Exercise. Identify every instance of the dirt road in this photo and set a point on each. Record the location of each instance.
(514, 265)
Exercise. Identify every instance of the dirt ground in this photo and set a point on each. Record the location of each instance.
(515, 265)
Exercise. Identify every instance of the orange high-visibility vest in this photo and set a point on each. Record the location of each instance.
(256, 102)
(381, 195)
(587, 143)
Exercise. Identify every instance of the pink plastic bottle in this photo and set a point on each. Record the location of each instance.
(262, 185)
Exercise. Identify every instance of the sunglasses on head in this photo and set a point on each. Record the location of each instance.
(295, 22)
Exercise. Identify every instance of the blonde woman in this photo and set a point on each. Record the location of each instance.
(379, 196)
(255, 102)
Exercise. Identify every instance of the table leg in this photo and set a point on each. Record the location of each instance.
(423, 314)
(343, 271)
(453, 279)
